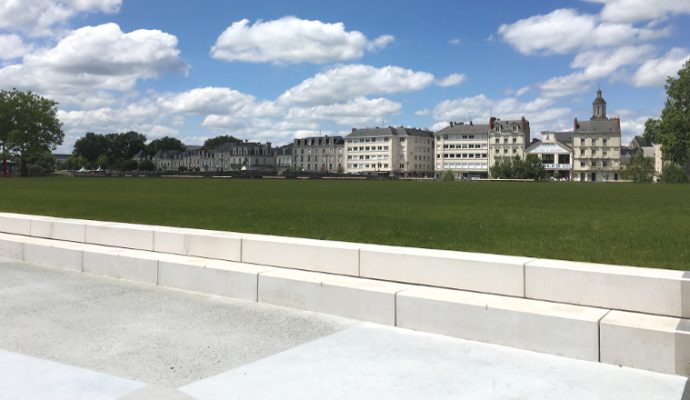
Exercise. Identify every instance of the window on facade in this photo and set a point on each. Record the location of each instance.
(603, 163)
(505, 151)
(603, 142)
(505, 140)
(498, 140)
(582, 142)
(514, 140)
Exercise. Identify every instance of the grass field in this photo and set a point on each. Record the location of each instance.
(642, 225)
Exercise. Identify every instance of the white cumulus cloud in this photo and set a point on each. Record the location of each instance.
(566, 30)
(451, 80)
(358, 112)
(655, 71)
(41, 17)
(96, 58)
(12, 47)
(641, 10)
(353, 81)
(293, 40)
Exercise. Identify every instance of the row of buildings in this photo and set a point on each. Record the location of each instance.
(591, 151)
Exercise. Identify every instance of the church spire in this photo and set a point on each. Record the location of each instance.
(599, 107)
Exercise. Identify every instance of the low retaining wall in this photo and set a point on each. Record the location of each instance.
(627, 316)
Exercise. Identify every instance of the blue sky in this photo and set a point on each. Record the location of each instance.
(274, 70)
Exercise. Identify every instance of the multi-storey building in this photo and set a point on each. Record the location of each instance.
(507, 139)
(404, 152)
(283, 155)
(318, 154)
(228, 157)
(463, 149)
(597, 145)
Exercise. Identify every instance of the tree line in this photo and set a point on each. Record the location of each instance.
(116, 150)
(671, 130)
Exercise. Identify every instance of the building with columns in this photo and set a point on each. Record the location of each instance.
(555, 150)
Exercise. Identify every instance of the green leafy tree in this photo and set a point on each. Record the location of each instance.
(102, 161)
(90, 147)
(41, 163)
(164, 143)
(516, 168)
(147, 165)
(673, 173)
(29, 126)
(652, 130)
(448, 176)
(220, 140)
(129, 165)
(116, 147)
(673, 131)
(640, 169)
(74, 163)
(124, 146)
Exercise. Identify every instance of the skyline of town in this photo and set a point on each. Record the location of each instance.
(273, 71)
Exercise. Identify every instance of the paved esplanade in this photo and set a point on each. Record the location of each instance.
(68, 335)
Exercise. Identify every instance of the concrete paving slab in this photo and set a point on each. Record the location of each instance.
(28, 378)
(375, 362)
(160, 336)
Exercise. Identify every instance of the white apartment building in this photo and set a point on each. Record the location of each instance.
(597, 146)
(389, 151)
(463, 149)
(507, 139)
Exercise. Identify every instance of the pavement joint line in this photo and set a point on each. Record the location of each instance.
(599, 331)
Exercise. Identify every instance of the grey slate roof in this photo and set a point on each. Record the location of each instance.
(464, 128)
(599, 126)
(389, 131)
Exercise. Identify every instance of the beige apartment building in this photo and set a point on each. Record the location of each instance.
(463, 149)
(597, 146)
(507, 139)
(318, 154)
(390, 151)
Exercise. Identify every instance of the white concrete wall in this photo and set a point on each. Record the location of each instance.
(650, 342)
(653, 291)
(223, 278)
(362, 299)
(553, 328)
(486, 273)
(308, 254)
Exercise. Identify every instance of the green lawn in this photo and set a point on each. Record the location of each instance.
(643, 225)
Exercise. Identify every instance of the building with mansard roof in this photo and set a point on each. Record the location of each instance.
(322, 154)
(597, 146)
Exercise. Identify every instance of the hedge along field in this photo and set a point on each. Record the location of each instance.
(628, 224)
